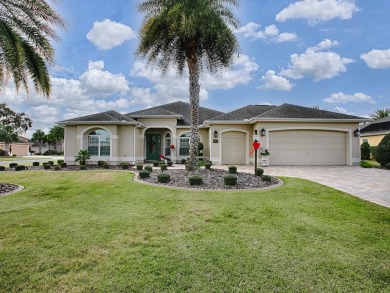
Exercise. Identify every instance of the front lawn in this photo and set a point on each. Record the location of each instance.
(98, 231)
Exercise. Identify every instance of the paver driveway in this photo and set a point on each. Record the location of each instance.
(369, 184)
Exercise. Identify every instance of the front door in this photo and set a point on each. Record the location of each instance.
(153, 147)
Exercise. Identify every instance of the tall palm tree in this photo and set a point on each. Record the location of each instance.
(7, 135)
(57, 134)
(189, 34)
(25, 51)
(381, 113)
(39, 136)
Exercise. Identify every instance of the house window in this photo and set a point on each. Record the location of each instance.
(99, 143)
(167, 143)
(184, 147)
(365, 140)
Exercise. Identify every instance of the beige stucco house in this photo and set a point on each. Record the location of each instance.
(294, 135)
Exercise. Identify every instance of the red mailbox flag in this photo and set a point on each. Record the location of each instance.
(256, 146)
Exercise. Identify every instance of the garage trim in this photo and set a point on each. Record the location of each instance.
(349, 137)
(246, 142)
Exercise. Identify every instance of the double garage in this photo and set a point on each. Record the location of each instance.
(289, 147)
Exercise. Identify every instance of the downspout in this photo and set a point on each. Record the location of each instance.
(134, 144)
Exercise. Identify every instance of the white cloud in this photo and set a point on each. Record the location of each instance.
(320, 65)
(108, 34)
(315, 11)
(96, 81)
(275, 82)
(341, 110)
(270, 33)
(345, 98)
(377, 59)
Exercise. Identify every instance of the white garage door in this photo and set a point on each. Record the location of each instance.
(234, 148)
(307, 147)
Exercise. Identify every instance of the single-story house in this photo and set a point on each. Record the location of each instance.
(375, 131)
(294, 135)
(20, 148)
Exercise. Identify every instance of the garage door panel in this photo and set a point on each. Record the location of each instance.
(234, 148)
(307, 147)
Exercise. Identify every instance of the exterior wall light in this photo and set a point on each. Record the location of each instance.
(215, 134)
(356, 133)
(262, 132)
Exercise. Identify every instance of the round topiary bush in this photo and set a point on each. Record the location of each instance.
(100, 163)
(20, 168)
(63, 165)
(266, 178)
(170, 163)
(105, 165)
(230, 180)
(13, 165)
(51, 163)
(383, 151)
(144, 174)
(259, 172)
(183, 161)
(208, 166)
(83, 167)
(2, 168)
(164, 167)
(125, 165)
(365, 151)
(46, 167)
(57, 168)
(59, 162)
(163, 177)
(140, 167)
(148, 168)
(155, 163)
(35, 164)
(196, 180)
(232, 169)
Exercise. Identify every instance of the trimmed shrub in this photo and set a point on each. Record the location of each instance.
(63, 165)
(208, 166)
(170, 163)
(266, 178)
(83, 167)
(59, 162)
(100, 163)
(383, 151)
(365, 151)
(196, 180)
(46, 166)
(125, 165)
(14, 155)
(230, 180)
(20, 168)
(57, 168)
(105, 165)
(155, 163)
(387, 166)
(232, 169)
(140, 167)
(373, 151)
(183, 161)
(144, 174)
(164, 167)
(35, 164)
(13, 165)
(365, 164)
(149, 168)
(163, 177)
(2, 168)
(51, 163)
(2, 153)
(259, 172)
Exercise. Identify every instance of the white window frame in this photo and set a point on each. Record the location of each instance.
(101, 140)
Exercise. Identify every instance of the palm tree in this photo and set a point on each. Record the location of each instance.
(25, 50)
(57, 135)
(39, 136)
(381, 113)
(189, 34)
(7, 135)
(82, 156)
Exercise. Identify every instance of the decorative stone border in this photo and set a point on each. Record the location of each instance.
(20, 188)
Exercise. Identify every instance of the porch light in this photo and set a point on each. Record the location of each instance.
(215, 134)
(262, 132)
(356, 133)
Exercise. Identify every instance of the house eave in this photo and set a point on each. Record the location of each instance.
(372, 133)
(97, 123)
(156, 116)
(306, 120)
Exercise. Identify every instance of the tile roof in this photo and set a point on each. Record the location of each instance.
(152, 112)
(109, 116)
(380, 125)
(246, 112)
(288, 111)
(184, 109)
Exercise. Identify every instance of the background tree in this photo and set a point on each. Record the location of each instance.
(39, 136)
(19, 122)
(7, 135)
(381, 113)
(25, 50)
(57, 134)
(193, 35)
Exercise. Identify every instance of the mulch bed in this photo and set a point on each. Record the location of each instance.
(6, 188)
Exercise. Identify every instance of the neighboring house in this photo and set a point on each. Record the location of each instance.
(373, 132)
(293, 134)
(36, 146)
(20, 148)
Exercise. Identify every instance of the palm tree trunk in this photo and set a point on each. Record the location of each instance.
(194, 88)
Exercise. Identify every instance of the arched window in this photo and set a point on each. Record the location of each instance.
(184, 147)
(99, 143)
(167, 143)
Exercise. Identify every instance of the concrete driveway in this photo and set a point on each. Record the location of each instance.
(369, 184)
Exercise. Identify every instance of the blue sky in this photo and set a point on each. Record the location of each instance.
(334, 54)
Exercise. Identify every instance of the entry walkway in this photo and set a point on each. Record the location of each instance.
(369, 184)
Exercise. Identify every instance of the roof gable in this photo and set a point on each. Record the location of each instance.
(109, 116)
(152, 112)
(243, 113)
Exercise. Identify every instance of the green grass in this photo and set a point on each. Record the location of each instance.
(101, 232)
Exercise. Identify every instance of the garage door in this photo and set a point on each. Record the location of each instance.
(20, 150)
(234, 148)
(307, 147)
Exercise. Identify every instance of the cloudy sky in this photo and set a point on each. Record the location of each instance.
(334, 54)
